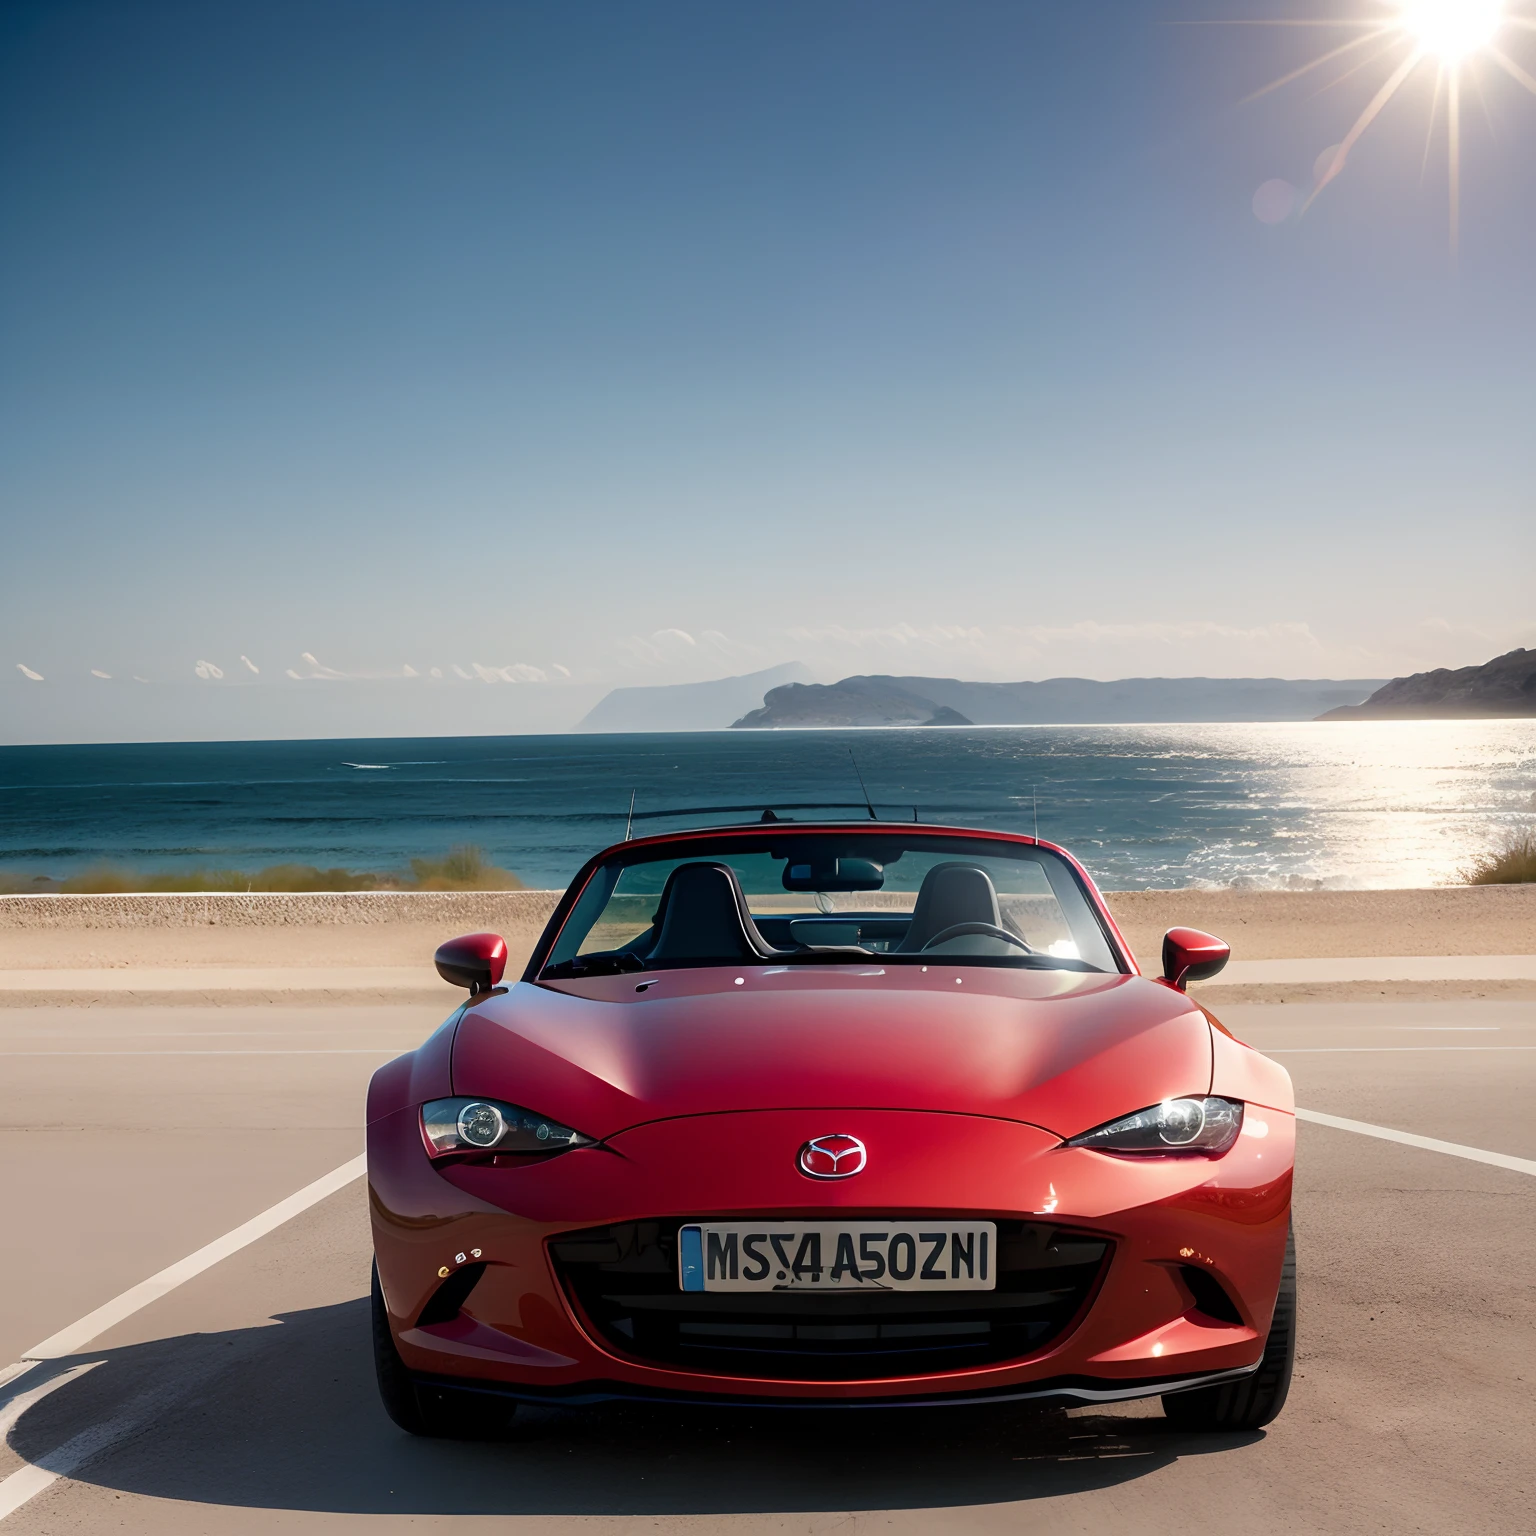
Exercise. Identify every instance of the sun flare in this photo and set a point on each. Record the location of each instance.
(1452, 29)
(1452, 42)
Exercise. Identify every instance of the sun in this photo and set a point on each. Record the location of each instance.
(1452, 42)
(1449, 30)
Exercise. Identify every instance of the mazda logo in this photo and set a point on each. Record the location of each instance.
(833, 1157)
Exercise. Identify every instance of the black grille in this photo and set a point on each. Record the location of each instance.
(624, 1280)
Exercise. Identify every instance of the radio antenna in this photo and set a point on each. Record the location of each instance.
(629, 821)
(867, 806)
(1034, 800)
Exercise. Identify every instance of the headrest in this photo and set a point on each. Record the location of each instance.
(704, 918)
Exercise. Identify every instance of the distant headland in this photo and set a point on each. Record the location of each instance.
(921, 701)
(1504, 688)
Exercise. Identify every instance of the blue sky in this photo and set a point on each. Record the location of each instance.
(661, 341)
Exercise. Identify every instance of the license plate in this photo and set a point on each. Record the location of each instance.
(918, 1255)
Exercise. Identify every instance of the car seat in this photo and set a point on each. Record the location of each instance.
(950, 894)
(704, 918)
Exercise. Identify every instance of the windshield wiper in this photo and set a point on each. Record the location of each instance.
(814, 952)
(613, 964)
(1034, 961)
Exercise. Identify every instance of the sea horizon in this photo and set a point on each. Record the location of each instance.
(1294, 805)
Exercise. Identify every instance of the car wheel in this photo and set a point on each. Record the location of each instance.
(436, 1412)
(1257, 1399)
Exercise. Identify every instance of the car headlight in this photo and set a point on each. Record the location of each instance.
(487, 1125)
(1176, 1125)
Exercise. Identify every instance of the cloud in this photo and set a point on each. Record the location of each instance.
(27, 671)
(106, 677)
(564, 672)
(1438, 642)
(900, 636)
(1089, 648)
(208, 671)
(139, 679)
(318, 669)
(315, 670)
(459, 671)
(251, 665)
(518, 672)
(657, 648)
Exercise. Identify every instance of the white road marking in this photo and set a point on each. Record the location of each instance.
(199, 1034)
(220, 978)
(1381, 968)
(23, 1485)
(11, 1414)
(29, 1481)
(67, 1340)
(1518, 1024)
(1427, 1143)
(340, 1050)
(1352, 1050)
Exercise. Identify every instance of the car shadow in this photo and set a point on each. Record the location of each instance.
(286, 1417)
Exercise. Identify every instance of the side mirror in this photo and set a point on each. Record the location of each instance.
(475, 961)
(1189, 955)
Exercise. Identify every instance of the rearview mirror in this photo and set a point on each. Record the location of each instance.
(1189, 955)
(476, 961)
(833, 875)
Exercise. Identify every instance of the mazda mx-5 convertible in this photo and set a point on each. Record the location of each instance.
(831, 1115)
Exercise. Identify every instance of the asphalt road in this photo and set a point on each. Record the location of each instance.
(243, 1399)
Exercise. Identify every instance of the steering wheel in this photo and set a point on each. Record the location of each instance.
(988, 930)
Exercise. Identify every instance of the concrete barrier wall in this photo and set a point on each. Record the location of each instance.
(1456, 920)
(510, 912)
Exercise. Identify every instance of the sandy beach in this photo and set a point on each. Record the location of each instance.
(377, 946)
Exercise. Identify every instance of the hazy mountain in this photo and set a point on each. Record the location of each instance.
(1504, 687)
(707, 706)
(815, 704)
(1056, 701)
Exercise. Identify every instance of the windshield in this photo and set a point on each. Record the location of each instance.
(834, 897)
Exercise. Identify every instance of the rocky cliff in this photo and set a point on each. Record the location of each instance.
(817, 704)
(1504, 688)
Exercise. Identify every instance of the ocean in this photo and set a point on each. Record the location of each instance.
(1290, 806)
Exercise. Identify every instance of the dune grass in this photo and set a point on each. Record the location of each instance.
(1512, 863)
(464, 868)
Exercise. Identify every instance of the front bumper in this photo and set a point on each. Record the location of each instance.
(1065, 1391)
(1142, 1331)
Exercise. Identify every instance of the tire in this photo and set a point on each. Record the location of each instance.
(437, 1413)
(1256, 1400)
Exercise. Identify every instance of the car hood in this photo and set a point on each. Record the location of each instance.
(1059, 1049)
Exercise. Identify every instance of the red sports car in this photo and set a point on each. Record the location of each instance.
(831, 1115)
